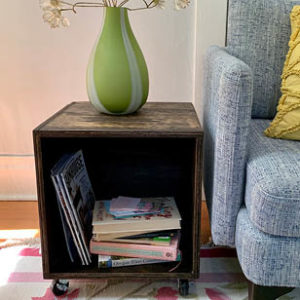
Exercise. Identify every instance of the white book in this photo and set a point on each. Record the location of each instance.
(104, 222)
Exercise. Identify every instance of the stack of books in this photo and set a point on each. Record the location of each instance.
(131, 231)
(76, 200)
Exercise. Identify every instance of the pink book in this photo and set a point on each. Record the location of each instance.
(137, 250)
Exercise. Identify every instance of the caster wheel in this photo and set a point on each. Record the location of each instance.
(183, 287)
(60, 287)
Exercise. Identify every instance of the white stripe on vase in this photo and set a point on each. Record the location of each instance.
(136, 81)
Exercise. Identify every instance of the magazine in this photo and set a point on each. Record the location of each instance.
(77, 197)
(72, 242)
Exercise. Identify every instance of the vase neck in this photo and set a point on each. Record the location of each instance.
(115, 16)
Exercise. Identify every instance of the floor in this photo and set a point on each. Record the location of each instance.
(19, 219)
(21, 278)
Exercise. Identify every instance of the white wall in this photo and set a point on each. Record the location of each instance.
(43, 69)
(211, 30)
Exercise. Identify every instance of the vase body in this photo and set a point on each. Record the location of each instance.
(117, 75)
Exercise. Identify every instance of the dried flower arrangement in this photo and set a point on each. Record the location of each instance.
(53, 9)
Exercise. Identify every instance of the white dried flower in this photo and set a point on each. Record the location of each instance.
(65, 22)
(54, 17)
(50, 4)
(180, 4)
(53, 13)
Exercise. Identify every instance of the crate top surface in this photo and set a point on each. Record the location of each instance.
(152, 119)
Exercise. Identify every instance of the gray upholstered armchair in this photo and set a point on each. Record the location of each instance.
(252, 182)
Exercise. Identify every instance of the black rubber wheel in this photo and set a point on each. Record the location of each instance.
(183, 287)
(60, 287)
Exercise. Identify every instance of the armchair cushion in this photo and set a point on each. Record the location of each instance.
(267, 259)
(273, 182)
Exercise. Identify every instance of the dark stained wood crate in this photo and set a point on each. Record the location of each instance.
(154, 152)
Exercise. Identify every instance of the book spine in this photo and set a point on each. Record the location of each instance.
(135, 226)
(155, 242)
(115, 263)
(132, 250)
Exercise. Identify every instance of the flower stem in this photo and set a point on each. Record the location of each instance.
(86, 4)
(145, 3)
(142, 8)
(123, 3)
(107, 3)
(152, 3)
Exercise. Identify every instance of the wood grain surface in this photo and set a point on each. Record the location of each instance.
(16, 215)
(157, 117)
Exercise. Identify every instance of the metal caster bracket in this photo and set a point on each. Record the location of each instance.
(183, 287)
(60, 287)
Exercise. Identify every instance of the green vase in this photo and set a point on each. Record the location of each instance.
(117, 75)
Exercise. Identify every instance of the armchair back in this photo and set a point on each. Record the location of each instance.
(258, 33)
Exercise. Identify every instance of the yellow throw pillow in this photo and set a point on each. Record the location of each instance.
(286, 124)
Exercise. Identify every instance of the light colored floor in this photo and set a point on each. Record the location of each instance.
(19, 219)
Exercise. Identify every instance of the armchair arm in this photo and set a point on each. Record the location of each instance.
(228, 90)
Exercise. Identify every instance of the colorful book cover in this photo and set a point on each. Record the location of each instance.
(158, 240)
(133, 235)
(116, 234)
(105, 261)
(125, 207)
(137, 250)
(104, 222)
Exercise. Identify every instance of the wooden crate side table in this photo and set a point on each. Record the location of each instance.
(154, 152)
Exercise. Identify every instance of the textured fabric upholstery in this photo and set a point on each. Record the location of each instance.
(267, 259)
(252, 182)
(273, 182)
(258, 34)
(227, 110)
